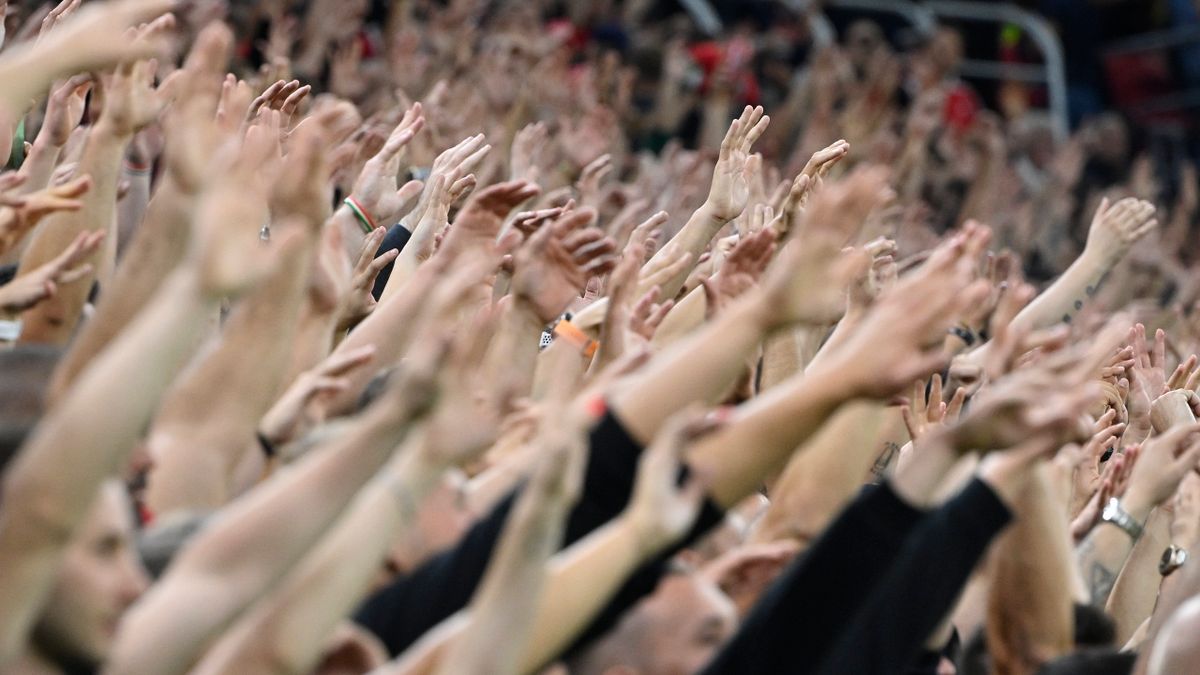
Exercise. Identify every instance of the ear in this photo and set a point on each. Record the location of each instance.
(743, 573)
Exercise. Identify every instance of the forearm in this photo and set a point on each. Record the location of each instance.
(39, 165)
(235, 383)
(773, 424)
(390, 329)
(1063, 300)
(699, 368)
(1030, 613)
(512, 357)
(289, 627)
(155, 250)
(559, 368)
(693, 239)
(1102, 555)
(131, 210)
(1136, 588)
(582, 580)
(824, 475)
(686, 316)
(503, 615)
(85, 439)
(247, 551)
(54, 321)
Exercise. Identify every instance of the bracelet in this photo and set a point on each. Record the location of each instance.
(963, 333)
(1116, 514)
(360, 214)
(571, 333)
(137, 169)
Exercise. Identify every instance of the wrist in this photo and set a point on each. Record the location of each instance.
(711, 216)
(1137, 504)
(1100, 257)
(523, 317)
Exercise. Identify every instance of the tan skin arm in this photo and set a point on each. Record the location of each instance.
(1030, 610)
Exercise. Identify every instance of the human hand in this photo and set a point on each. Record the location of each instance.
(64, 110)
(61, 12)
(1116, 228)
(730, 188)
(33, 287)
(293, 414)
(358, 301)
(479, 221)
(809, 180)
(741, 270)
(527, 146)
(227, 253)
(192, 130)
(810, 286)
(922, 414)
(18, 219)
(553, 266)
(98, 36)
(283, 96)
(874, 280)
(591, 179)
(1161, 465)
(1147, 379)
(131, 101)
(1084, 462)
(376, 189)
(660, 511)
(899, 340)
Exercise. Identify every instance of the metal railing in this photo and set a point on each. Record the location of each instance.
(918, 16)
(1052, 73)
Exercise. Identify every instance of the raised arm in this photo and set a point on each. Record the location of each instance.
(1161, 464)
(130, 104)
(85, 439)
(238, 380)
(503, 613)
(245, 553)
(156, 249)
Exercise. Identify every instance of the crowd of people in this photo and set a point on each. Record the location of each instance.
(479, 338)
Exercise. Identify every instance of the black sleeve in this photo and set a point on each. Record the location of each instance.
(397, 236)
(803, 612)
(412, 604)
(922, 586)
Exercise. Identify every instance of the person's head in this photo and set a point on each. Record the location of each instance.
(100, 577)
(675, 631)
(1176, 649)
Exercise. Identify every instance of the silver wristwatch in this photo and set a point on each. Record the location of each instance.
(1117, 515)
(1172, 559)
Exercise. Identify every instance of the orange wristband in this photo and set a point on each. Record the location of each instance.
(571, 333)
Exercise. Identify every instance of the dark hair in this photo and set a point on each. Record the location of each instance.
(1093, 627)
(1091, 662)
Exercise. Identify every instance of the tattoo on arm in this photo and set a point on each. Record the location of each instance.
(890, 450)
(1100, 582)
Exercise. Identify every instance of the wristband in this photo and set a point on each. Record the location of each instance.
(360, 214)
(137, 169)
(963, 333)
(1116, 514)
(570, 332)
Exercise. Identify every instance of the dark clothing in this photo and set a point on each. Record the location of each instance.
(871, 589)
(922, 585)
(415, 603)
(395, 239)
(795, 623)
